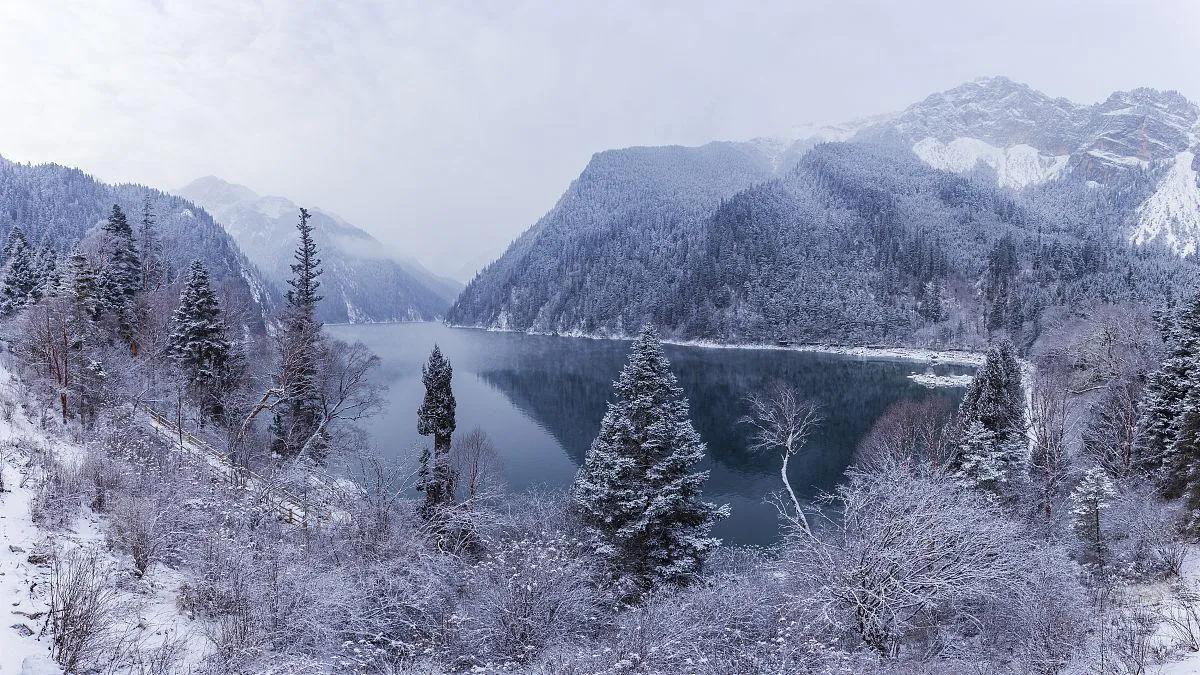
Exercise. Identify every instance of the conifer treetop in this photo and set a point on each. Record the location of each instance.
(307, 268)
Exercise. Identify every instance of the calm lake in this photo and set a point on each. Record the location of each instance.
(540, 399)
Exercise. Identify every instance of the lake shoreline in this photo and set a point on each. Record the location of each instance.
(957, 357)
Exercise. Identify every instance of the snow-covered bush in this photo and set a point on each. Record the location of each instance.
(58, 494)
(525, 594)
(905, 555)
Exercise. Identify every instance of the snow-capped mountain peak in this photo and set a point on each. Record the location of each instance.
(1026, 137)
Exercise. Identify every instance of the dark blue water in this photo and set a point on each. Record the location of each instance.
(540, 399)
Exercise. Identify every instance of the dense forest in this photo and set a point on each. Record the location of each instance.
(856, 243)
(60, 208)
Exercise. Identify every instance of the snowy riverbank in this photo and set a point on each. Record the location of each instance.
(960, 357)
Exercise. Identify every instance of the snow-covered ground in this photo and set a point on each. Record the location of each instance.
(1164, 599)
(1016, 166)
(933, 380)
(1171, 215)
(149, 618)
(923, 355)
(21, 610)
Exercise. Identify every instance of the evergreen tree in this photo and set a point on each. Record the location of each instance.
(151, 262)
(1169, 431)
(993, 423)
(198, 340)
(120, 277)
(84, 287)
(48, 278)
(18, 286)
(1092, 496)
(16, 239)
(638, 491)
(435, 418)
(87, 374)
(297, 424)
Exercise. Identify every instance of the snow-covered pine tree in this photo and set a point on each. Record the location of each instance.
(1091, 497)
(297, 423)
(83, 286)
(20, 278)
(1163, 445)
(151, 261)
(198, 342)
(121, 276)
(16, 238)
(435, 418)
(638, 490)
(48, 277)
(993, 422)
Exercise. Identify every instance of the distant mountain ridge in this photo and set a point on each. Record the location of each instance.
(362, 281)
(1025, 137)
(1026, 204)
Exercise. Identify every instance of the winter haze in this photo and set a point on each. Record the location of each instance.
(445, 129)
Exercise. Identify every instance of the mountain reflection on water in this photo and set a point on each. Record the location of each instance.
(541, 398)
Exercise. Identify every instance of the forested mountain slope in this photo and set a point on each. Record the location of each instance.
(971, 211)
(628, 210)
(60, 207)
(362, 283)
(856, 243)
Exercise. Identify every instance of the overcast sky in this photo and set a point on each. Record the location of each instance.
(447, 128)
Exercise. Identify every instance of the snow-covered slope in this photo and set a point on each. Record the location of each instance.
(1171, 216)
(1015, 166)
(1026, 137)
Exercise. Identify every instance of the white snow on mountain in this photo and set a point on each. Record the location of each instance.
(1171, 216)
(841, 132)
(1015, 166)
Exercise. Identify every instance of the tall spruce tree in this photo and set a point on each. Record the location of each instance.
(16, 238)
(1168, 428)
(19, 283)
(993, 423)
(199, 343)
(296, 425)
(120, 276)
(150, 253)
(82, 290)
(84, 287)
(638, 491)
(48, 278)
(435, 417)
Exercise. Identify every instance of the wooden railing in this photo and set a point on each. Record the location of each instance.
(286, 505)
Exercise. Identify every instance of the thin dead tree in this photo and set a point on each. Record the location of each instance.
(782, 421)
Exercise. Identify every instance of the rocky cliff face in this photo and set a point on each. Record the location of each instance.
(1026, 137)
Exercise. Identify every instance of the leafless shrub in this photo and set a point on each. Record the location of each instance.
(82, 605)
(1127, 644)
(477, 465)
(143, 528)
(1146, 534)
(904, 550)
(102, 475)
(910, 433)
(1180, 615)
(526, 594)
(164, 658)
(57, 496)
